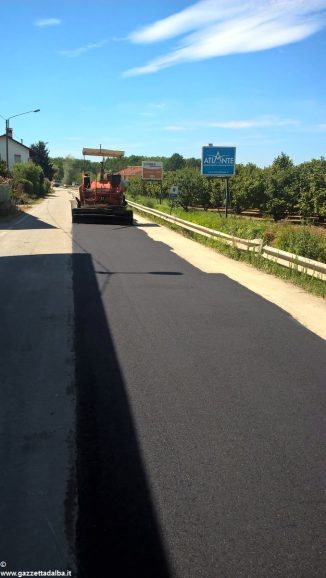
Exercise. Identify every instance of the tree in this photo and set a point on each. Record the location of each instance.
(282, 163)
(40, 156)
(71, 170)
(312, 187)
(134, 187)
(167, 182)
(216, 187)
(202, 194)
(134, 160)
(281, 187)
(188, 182)
(193, 163)
(247, 187)
(175, 162)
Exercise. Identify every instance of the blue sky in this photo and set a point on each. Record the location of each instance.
(154, 77)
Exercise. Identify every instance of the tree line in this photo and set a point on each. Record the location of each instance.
(276, 190)
(280, 189)
(69, 169)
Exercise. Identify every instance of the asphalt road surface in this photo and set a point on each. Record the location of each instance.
(197, 448)
(37, 400)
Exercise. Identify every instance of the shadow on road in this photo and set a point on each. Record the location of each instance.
(117, 530)
(24, 221)
(138, 273)
(36, 412)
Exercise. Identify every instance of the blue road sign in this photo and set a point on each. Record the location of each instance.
(218, 161)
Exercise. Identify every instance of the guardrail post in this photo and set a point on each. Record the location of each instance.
(227, 192)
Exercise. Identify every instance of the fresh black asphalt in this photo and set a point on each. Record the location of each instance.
(199, 411)
(200, 420)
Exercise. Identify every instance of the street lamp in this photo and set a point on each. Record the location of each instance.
(7, 130)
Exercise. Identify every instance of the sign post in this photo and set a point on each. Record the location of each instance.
(219, 161)
(227, 195)
(173, 195)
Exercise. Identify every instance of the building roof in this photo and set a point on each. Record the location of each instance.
(16, 141)
(131, 171)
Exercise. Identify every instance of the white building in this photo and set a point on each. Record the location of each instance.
(17, 152)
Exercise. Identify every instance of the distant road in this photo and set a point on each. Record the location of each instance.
(180, 412)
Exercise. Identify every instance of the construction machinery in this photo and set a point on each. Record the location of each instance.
(102, 200)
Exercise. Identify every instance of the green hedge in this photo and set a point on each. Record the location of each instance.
(30, 172)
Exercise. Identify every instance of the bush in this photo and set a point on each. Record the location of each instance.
(46, 186)
(302, 241)
(3, 169)
(134, 187)
(32, 173)
(5, 194)
(22, 186)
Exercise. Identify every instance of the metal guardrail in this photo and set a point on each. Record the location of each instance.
(245, 244)
(309, 266)
(291, 260)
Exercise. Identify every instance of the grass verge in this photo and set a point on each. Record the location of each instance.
(304, 240)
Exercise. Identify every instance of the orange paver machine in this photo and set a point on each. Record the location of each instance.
(102, 200)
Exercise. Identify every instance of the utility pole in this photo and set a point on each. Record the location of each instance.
(7, 131)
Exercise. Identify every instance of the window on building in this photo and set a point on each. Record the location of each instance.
(18, 159)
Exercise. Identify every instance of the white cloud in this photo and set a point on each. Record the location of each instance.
(239, 124)
(189, 19)
(264, 122)
(47, 22)
(157, 105)
(82, 49)
(213, 28)
(174, 128)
